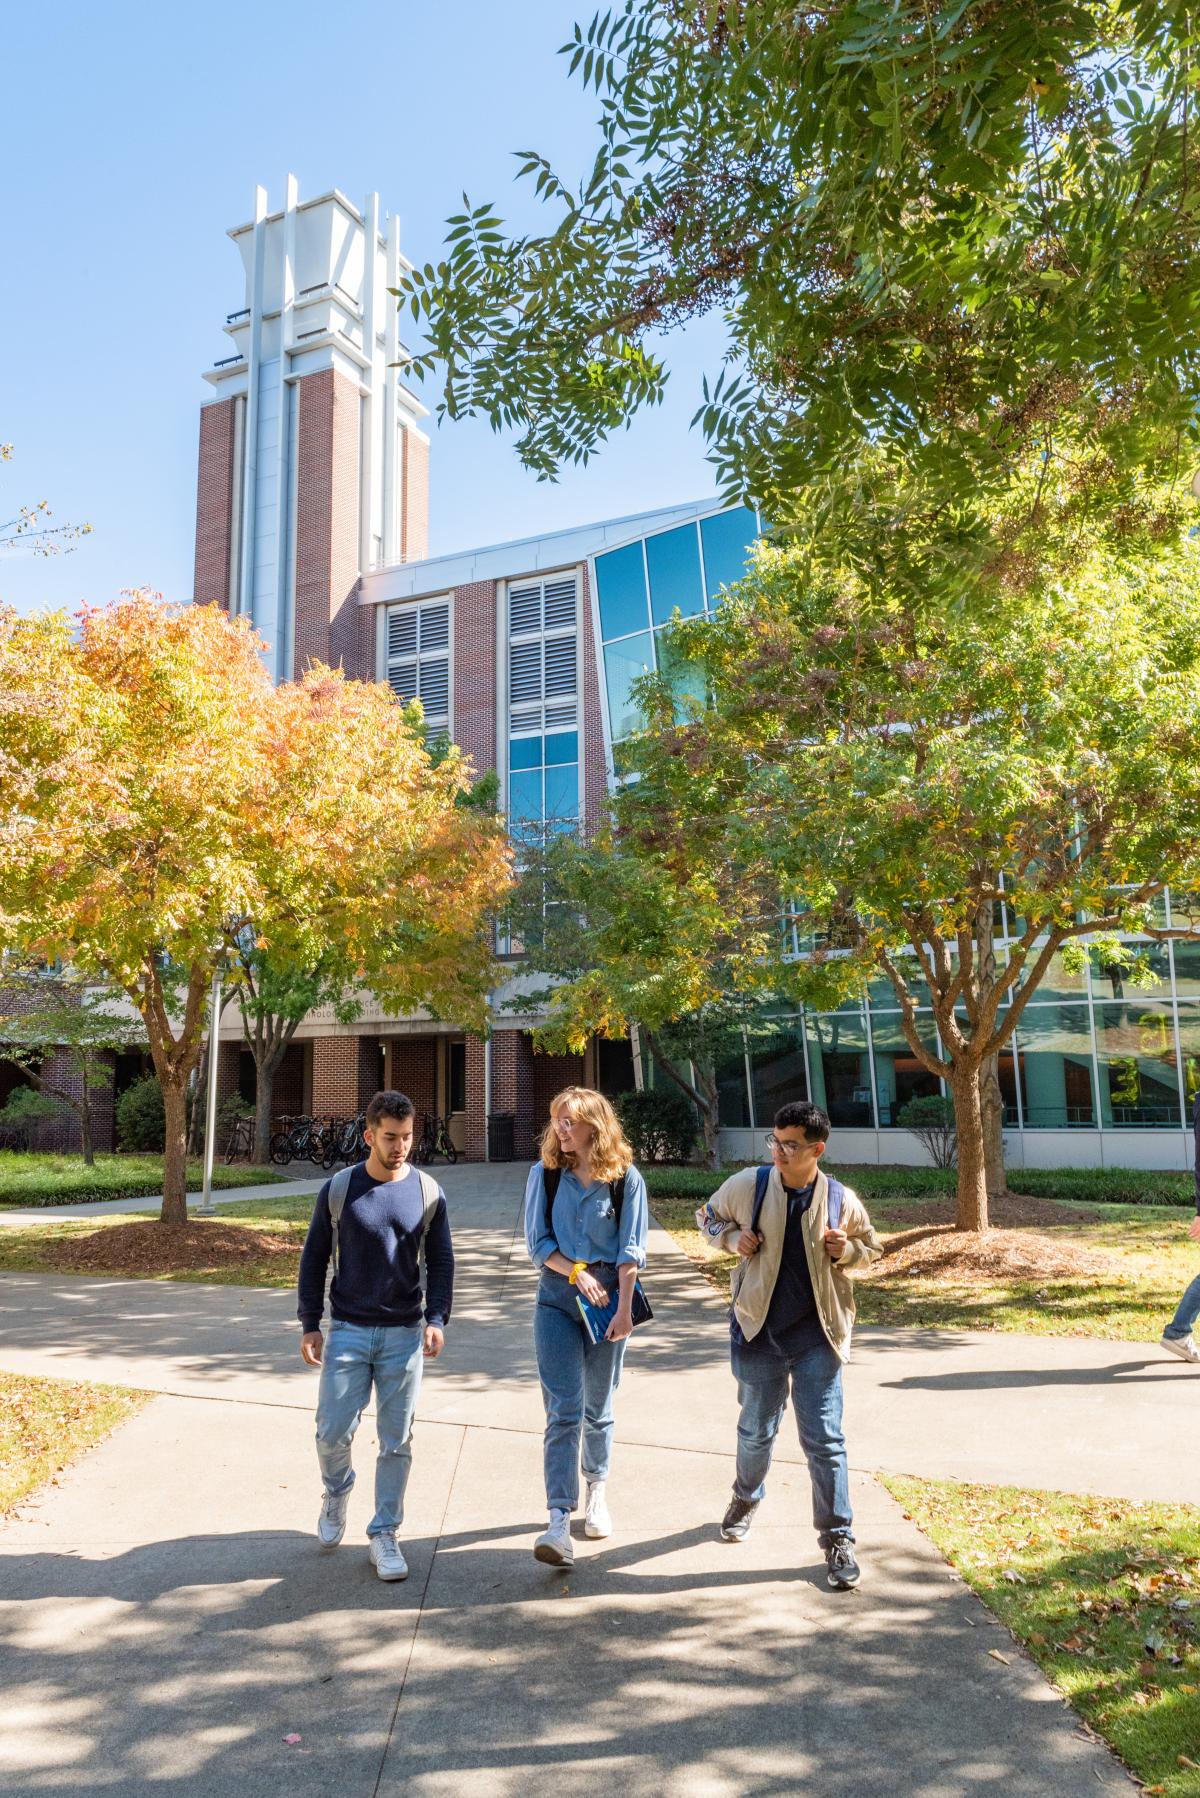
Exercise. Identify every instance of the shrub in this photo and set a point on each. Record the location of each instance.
(23, 1110)
(930, 1119)
(660, 1125)
(140, 1118)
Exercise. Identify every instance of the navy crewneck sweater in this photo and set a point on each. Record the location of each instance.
(378, 1280)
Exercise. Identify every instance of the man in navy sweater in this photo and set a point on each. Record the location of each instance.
(382, 1328)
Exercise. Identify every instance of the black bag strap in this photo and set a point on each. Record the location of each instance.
(550, 1180)
(761, 1176)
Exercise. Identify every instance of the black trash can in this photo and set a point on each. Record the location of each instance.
(501, 1136)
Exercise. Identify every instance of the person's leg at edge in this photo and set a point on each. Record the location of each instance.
(398, 1364)
(762, 1403)
(602, 1363)
(342, 1397)
(1188, 1310)
(558, 1342)
(817, 1400)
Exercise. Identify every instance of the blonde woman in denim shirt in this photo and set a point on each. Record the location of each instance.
(585, 1246)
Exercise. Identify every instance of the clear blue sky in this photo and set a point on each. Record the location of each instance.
(134, 137)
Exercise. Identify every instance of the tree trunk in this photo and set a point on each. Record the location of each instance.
(710, 1123)
(85, 1122)
(991, 1102)
(174, 1205)
(264, 1103)
(972, 1178)
(196, 1128)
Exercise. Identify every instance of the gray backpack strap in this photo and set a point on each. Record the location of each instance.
(339, 1186)
(430, 1194)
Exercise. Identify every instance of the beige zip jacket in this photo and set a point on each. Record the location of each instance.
(754, 1279)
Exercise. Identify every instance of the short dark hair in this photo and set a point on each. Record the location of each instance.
(801, 1114)
(389, 1105)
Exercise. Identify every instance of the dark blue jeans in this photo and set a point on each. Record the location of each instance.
(815, 1381)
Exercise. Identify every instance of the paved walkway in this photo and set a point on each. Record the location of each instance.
(166, 1620)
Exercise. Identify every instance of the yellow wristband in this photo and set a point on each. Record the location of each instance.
(577, 1268)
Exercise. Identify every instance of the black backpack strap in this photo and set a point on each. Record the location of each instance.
(761, 1177)
(550, 1179)
(617, 1190)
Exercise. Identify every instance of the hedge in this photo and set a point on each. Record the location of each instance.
(64, 1180)
(1084, 1185)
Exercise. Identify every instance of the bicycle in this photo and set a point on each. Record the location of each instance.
(241, 1140)
(435, 1140)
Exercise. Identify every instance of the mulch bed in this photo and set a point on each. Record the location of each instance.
(1012, 1250)
(153, 1248)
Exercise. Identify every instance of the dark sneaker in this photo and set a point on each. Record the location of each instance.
(735, 1525)
(843, 1568)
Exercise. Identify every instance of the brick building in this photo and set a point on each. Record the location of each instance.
(312, 520)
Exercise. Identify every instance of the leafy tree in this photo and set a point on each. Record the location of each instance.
(274, 999)
(606, 925)
(158, 795)
(894, 772)
(62, 1032)
(955, 248)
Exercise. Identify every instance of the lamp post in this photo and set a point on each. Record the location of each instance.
(206, 1208)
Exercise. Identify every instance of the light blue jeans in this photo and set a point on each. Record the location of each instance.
(355, 1358)
(815, 1378)
(1180, 1326)
(578, 1378)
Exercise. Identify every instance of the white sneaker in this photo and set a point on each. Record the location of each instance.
(331, 1524)
(1183, 1346)
(596, 1520)
(389, 1562)
(554, 1546)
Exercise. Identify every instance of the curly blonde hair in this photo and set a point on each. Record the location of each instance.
(611, 1155)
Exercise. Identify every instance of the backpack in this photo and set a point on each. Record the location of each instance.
(833, 1202)
(550, 1180)
(339, 1186)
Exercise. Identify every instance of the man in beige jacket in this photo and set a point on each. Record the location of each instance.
(796, 1232)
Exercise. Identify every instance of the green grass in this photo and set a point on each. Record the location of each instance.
(1157, 1260)
(32, 1179)
(1105, 1596)
(46, 1424)
(1085, 1185)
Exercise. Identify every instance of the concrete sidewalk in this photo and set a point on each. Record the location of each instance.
(167, 1619)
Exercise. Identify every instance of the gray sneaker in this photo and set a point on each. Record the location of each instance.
(385, 1552)
(739, 1515)
(1183, 1346)
(331, 1524)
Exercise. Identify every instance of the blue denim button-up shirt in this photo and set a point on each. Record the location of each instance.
(585, 1223)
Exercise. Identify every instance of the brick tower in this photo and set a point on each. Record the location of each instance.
(313, 466)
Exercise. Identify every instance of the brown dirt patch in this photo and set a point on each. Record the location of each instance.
(1015, 1211)
(152, 1248)
(995, 1258)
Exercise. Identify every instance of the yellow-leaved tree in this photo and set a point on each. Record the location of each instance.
(160, 799)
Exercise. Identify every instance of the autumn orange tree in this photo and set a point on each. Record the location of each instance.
(160, 799)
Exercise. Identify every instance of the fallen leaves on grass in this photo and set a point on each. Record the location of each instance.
(140, 1248)
(988, 1258)
(45, 1424)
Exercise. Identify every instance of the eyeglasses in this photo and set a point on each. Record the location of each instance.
(786, 1149)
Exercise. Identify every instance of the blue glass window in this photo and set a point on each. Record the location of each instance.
(686, 680)
(727, 538)
(525, 796)
(525, 752)
(562, 793)
(562, 746)
(673, 561)
(623, 664)
(621, 587)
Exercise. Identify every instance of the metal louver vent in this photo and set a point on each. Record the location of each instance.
(524, 610)
(402, 633)
(403, 681)
(560, 717)
(560, 667)
(524, 672)
(435, 628)
(435, 688)
(560, 605)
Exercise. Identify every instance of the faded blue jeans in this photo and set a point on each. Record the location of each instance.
(815, 1378)
(355, 1358)
(578, 1378)
(1188, 1310)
